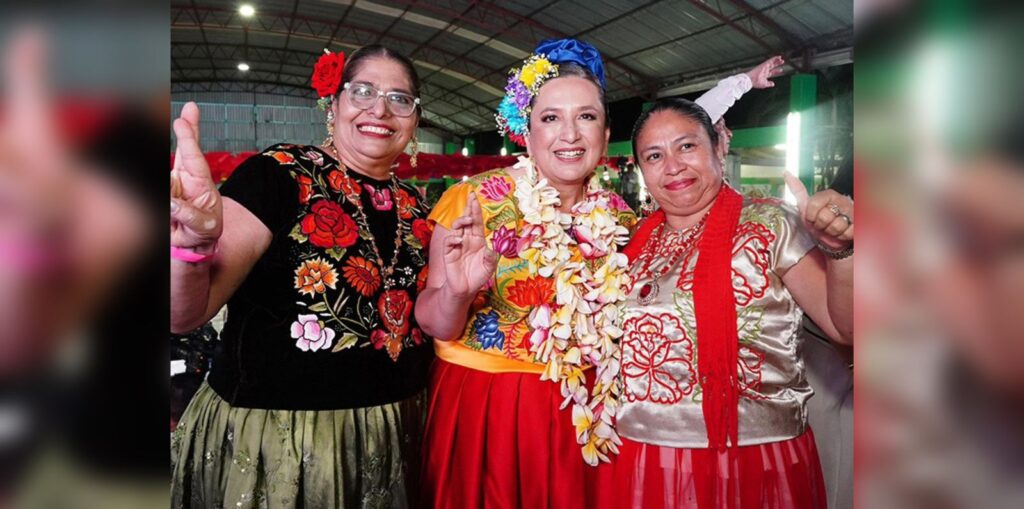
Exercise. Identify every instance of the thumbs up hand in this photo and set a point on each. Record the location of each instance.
(827, 215)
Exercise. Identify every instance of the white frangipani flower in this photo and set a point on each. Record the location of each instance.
(581, 327)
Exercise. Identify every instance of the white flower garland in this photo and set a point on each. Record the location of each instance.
(581, 328)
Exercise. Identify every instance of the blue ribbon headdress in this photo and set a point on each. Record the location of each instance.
(513, 115)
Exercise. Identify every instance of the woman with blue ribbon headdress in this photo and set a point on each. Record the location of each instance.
(524, 293)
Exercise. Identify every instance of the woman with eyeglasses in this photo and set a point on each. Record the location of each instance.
(316, 398)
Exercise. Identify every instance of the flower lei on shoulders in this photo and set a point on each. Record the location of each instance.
(581, 327)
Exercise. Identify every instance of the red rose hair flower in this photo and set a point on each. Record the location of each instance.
(327, 73)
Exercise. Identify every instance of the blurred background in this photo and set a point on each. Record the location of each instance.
(940, 277)
(83, 300)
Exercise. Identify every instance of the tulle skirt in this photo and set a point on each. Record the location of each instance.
(778, 475)
(498, 440)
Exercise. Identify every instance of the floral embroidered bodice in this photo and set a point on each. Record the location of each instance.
(315, 308)
(498, 322)
(661, 403)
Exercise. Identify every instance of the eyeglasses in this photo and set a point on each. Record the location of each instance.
(364, 96)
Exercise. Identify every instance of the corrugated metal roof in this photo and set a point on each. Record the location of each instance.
(463, 49)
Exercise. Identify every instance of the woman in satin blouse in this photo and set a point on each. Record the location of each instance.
(714, 393)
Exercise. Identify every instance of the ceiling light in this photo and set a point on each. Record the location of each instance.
(243, 67)
(246, 10)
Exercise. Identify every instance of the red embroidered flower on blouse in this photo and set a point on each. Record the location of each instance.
(283, 157)
(328, 226)
(531, 292)
(421, 279)
(658, 359)
(753, 241)
(756, 247)
(343, 183)
(423, 230)
(405, 204)
(383, 340)
(305, 188)
(362, 275)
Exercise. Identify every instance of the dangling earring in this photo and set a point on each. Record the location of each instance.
(415, 151)
(329, 140)
(647, 206)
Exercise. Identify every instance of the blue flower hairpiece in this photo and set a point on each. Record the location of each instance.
(561, 51)
(513, 116)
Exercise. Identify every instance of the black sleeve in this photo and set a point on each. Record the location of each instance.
(266, 188)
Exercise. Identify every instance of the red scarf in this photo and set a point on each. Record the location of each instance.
(715, 310)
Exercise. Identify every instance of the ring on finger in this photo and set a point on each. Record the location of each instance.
(835, 209)
(849, 222)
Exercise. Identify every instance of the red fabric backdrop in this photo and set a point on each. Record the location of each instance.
(428, 165)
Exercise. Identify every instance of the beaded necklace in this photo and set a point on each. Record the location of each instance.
(649, 291)
(354, 198)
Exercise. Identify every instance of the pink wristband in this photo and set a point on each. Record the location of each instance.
(187, 255)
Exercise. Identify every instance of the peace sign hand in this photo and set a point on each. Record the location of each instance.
(468, 262)
(197, 217)
(827, 215)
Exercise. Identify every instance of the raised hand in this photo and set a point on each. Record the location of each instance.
(468, 262)
(197, 217)
(761, 76)
(827, 215)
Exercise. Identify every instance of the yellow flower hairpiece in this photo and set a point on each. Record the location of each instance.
(536, 68)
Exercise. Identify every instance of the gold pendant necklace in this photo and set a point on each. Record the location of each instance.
(649, 291)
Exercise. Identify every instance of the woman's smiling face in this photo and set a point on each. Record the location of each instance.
(568, 130)
(679, 164)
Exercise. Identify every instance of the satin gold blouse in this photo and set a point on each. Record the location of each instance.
(661, 403)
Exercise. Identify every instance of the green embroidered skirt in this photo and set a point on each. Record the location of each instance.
(223, 456)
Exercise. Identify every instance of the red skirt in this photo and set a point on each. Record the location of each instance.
(499, 440)
(781, 475)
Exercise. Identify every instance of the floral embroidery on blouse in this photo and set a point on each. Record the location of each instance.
(337, 280)
(648, 373)
(655, 344)
(498, 322)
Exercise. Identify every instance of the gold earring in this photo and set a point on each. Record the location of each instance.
(329, 140)
(415, 151)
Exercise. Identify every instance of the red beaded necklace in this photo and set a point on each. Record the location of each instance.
(649, 291)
